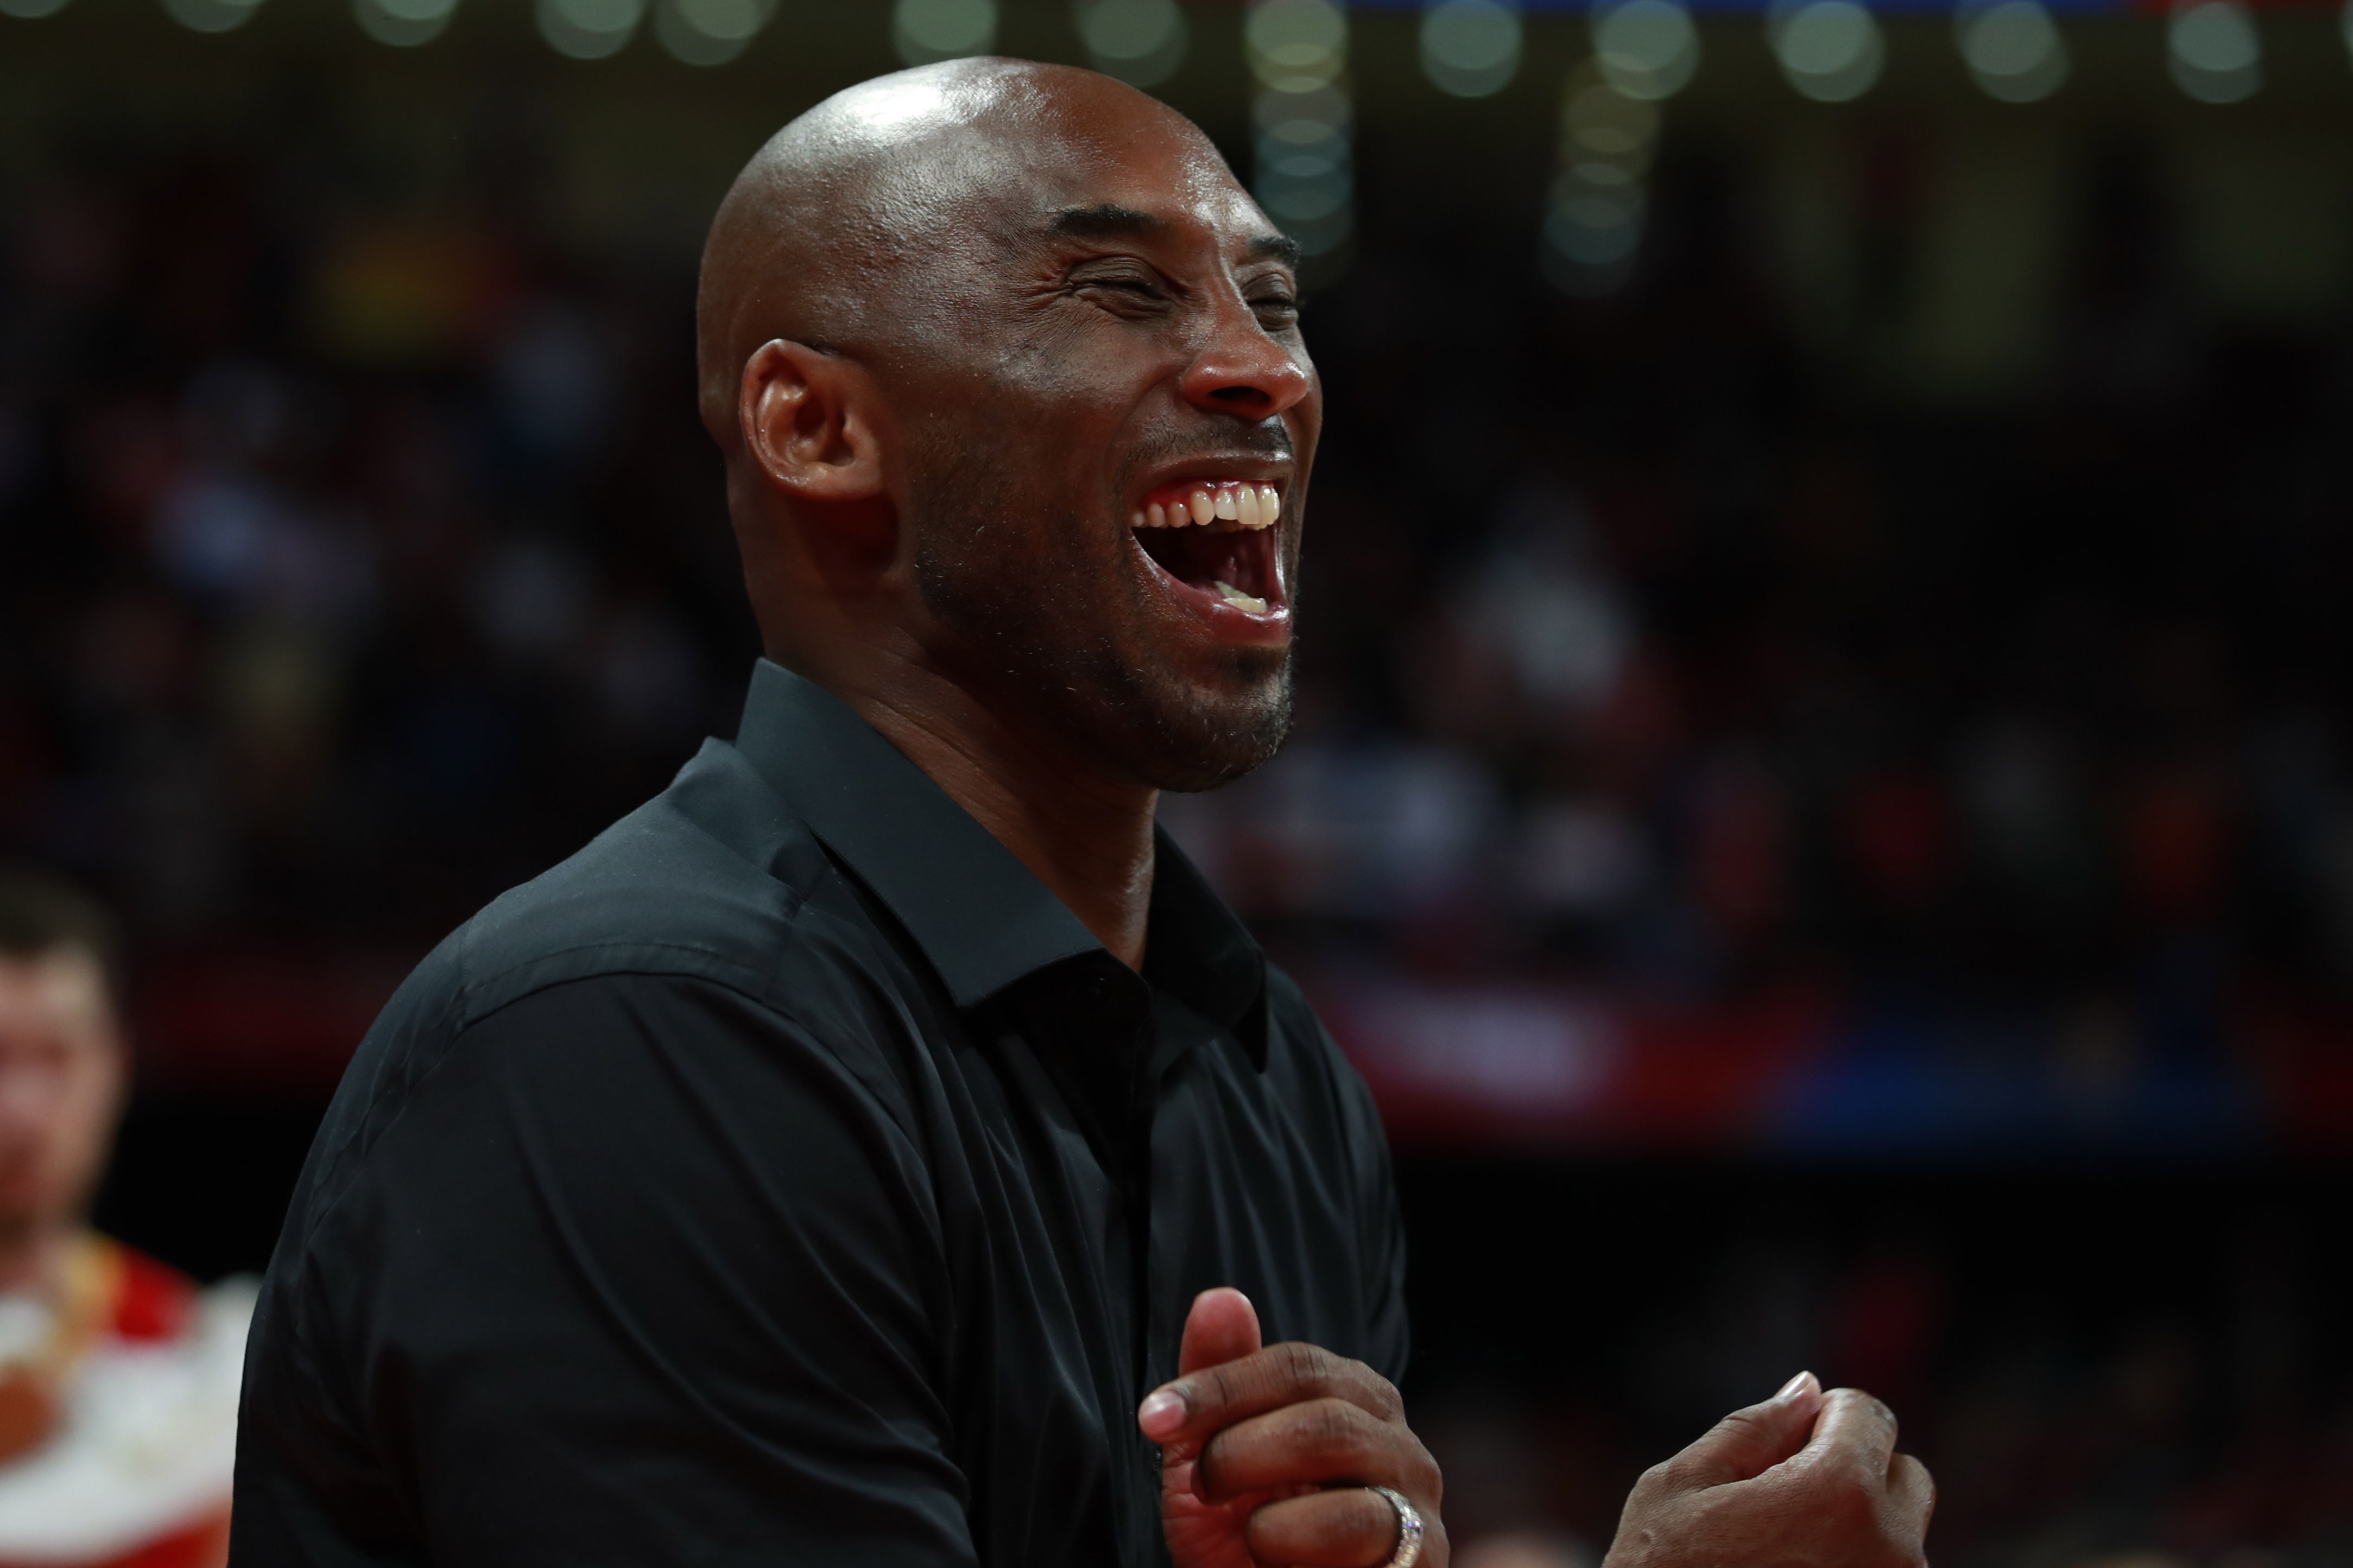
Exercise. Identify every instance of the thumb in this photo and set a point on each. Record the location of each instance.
(1747, 1443)
(1221, 1327)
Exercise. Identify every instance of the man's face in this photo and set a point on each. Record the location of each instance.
(61, 1085)
(1113, 355)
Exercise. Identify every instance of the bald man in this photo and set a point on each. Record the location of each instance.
(882, 1148)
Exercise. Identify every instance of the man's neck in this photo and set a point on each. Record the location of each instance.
(1089, 839)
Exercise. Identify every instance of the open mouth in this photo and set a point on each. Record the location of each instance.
(1215, 540)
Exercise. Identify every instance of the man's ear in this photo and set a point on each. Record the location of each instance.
(810, 423)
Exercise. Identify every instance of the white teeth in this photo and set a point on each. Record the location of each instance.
(1249, 602)
(1242, 504)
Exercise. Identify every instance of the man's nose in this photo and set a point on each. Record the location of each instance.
(1245, 373)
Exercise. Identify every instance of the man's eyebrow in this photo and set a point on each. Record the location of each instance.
(1283, 248)
(1104, 220)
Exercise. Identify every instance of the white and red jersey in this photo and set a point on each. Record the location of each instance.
(135, 1473)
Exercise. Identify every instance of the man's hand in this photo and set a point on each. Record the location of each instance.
(1807, 1479)
(1265, 1454)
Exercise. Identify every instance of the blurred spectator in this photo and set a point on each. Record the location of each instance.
(118, 1379)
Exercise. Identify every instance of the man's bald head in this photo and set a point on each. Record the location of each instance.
(810, 241)
(963, 330)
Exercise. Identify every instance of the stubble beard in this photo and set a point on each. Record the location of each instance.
(1065, 633)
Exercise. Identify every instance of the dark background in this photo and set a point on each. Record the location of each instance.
(1820, 800)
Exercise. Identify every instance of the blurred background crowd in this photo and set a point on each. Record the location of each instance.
(1821, 799)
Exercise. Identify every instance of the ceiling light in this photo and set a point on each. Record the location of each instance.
(1470, 49)
(404, 24)
(928, 30)
(589, 29)
(2013, 50)
(1832, 50)
(1646, 48)
(709, 32)
(2213, 51)
(211, 16)
(1602, 122)
(1295, 46)
(1141, 42)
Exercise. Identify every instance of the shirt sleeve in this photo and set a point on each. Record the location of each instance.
(640, 1273)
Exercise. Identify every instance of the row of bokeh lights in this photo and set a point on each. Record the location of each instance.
(1830, 51)
(1644, 52)
(699, 32)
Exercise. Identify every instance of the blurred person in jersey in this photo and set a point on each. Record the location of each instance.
(118, 1378)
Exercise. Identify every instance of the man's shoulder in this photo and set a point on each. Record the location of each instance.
(1292, 1027)
(1287, 1004)
(712, 879)
(716, 879)
(709, 878)
(1301, 1048)
(716, 882)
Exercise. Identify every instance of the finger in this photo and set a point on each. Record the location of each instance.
(1221, 1327)
(1912, 1493)
(1316, 1441)
(1346, 1527)
(1213, 1397)
(1856, 1431)
(1750, 1441)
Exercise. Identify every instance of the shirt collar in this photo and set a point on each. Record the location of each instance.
(981, 917)
(1195, 949)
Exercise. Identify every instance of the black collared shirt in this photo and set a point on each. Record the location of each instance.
(789, 1178)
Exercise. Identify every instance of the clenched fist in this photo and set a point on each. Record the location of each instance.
(1806, 1479)
(1267, 1456)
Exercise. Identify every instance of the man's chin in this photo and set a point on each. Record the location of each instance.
(1194, 737)
(1183, 713)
